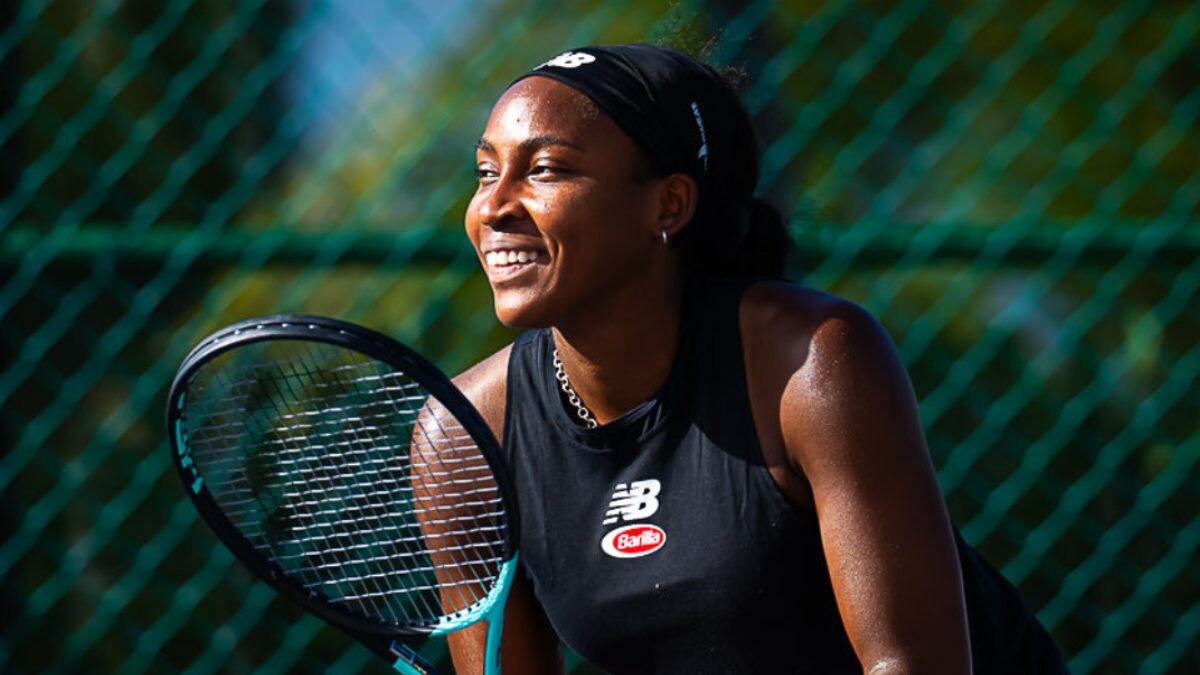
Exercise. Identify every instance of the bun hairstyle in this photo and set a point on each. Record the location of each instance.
(687, 119)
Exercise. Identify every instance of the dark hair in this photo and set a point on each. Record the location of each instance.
(687, 118)
(735, 233)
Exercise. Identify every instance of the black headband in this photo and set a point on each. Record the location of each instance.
(685, 118)
(660, 97)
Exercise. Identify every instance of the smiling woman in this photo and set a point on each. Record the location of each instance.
(718, 471)
(555, 182)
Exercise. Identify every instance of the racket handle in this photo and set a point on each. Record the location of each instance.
(409, 662)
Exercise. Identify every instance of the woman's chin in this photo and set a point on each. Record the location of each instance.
(519, 312)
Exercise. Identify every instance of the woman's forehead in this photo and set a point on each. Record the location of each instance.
(537, 105)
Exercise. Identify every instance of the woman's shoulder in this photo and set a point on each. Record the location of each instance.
(795, 324)
(813, 355)
(485, 385)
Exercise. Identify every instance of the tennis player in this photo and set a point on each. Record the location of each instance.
(718, 471)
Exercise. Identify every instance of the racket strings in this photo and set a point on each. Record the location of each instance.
(404, 407)
(350, 477)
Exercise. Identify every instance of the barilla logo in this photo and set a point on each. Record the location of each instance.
(633, 541)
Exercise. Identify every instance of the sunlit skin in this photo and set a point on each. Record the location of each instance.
(833, 407)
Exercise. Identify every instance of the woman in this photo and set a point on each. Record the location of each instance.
(718, 472)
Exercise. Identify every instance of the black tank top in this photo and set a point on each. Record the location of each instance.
(659, 543)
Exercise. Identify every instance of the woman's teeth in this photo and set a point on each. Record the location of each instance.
(502, 258)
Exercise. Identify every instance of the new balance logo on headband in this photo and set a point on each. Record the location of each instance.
(568, 60)
(703, 152)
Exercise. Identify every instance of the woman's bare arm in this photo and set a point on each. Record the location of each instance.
(529, 645)
(848, 421)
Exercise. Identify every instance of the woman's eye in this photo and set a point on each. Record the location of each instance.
(544, 170)
(484, 173)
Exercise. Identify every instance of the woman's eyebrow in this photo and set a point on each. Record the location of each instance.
(531, 144)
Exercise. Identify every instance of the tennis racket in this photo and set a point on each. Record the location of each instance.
(350, 475)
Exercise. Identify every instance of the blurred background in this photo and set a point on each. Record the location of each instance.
(1012, 186)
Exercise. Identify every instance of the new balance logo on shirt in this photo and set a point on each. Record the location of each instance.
(633, 501)
(636, 500)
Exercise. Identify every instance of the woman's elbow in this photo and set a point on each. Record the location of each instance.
(900, 665)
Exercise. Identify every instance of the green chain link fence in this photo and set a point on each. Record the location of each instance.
(1012, 187)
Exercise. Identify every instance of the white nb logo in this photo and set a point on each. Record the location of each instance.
(569, 60)
(703, 153)
(634, 501)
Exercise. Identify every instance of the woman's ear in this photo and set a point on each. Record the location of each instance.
(678, 195)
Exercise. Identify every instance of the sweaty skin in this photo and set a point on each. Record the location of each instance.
(832, 404)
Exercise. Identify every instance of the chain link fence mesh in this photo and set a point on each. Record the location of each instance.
(1012, 187)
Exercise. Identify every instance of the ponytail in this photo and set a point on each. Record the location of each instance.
(765, 245)
(753, 242)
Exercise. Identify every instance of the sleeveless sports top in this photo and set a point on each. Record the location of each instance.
(659, 543)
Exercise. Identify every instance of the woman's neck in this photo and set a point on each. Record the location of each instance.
(620, 356)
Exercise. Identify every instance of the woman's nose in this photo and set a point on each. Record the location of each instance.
(501, 202)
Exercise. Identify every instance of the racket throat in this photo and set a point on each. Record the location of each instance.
(408, 661)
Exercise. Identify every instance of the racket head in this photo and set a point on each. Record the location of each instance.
(252, 508)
